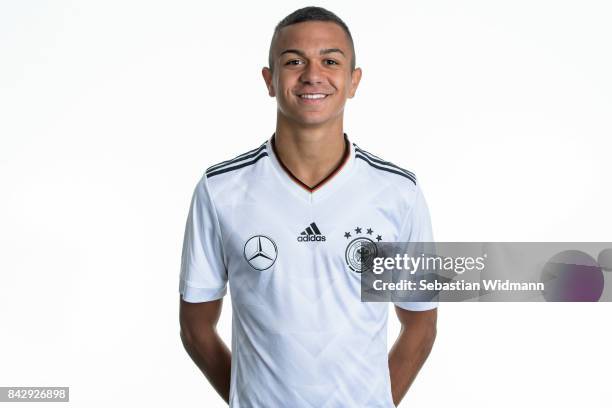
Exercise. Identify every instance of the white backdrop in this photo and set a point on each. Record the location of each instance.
(111, 110)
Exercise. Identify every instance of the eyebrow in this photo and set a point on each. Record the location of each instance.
(321, 52)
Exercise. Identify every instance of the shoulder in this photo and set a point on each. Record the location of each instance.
(237, 170)
(396, 189)
(223, 178)
(239, 162)
(385, 171)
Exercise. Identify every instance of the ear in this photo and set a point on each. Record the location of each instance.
(267, 76)
(355, 78)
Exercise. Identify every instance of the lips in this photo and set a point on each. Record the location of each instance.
(313, 96)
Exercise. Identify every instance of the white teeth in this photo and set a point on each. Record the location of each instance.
(313, 96)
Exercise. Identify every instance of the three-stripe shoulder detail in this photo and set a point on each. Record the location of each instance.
(238, 162)
(383, 165)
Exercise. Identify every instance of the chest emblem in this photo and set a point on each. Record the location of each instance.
(361, 249)
(260, 252)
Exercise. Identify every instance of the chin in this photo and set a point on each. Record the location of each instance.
(313, 121)
(309, 118)
(313, 117)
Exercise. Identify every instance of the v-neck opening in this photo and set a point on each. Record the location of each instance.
(323, 188)
(336, 170)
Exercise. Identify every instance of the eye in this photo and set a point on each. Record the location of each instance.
(293, 62)
(331, 62)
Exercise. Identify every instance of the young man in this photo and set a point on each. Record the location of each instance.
(282, 223)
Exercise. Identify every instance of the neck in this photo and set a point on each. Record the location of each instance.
(311, 154)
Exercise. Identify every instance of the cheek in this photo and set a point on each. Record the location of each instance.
(284, 86)
(342, 82)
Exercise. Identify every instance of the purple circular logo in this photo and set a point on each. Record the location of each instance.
(572, 276)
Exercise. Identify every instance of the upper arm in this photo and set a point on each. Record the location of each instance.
(417, 228)
(198, 318)
(414, 320)
(203, 275)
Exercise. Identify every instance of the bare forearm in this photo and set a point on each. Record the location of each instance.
(213, 358)
(406, 358)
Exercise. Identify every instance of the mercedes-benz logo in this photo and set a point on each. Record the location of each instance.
(260, 252)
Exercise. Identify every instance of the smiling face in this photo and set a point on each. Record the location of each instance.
(312, 76)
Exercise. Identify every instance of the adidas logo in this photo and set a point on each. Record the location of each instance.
(311, 233)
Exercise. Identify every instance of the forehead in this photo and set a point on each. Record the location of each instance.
(312, 35)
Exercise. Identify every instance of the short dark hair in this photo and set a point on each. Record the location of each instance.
(311, 14)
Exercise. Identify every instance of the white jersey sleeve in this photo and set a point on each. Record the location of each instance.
(203, 274)
(417, 228)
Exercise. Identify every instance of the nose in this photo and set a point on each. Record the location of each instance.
(311, 74)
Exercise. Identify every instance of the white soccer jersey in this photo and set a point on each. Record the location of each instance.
(301, 337)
